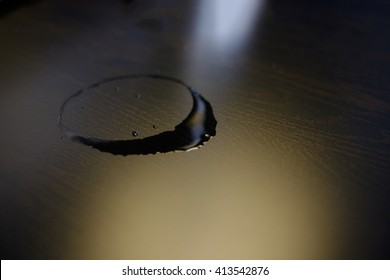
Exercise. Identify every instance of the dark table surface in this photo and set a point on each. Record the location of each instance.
(299, 166)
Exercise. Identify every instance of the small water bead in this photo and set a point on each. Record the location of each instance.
(117, 88)
(155, 126)
(134, 133)
(138, 95)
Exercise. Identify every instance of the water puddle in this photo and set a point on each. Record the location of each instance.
(197, 128)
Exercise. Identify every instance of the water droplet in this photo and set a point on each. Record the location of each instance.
(190, 134)
(117, 88)
(138, 95)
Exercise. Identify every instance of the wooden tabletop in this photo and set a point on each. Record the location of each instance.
(298, 168)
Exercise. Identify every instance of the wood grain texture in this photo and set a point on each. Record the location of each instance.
(299, 168)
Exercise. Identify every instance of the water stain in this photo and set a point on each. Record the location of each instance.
(196, 129)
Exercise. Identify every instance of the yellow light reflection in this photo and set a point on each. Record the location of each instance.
(229, 208)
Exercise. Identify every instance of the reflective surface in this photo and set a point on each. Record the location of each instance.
(299, 166)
